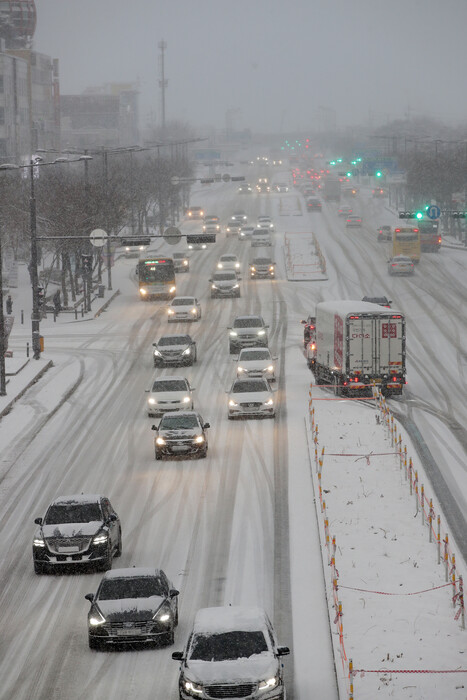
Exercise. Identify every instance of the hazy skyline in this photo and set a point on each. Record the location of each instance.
(278, 66)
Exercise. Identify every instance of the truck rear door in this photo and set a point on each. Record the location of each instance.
(391, 344)
(361, 355)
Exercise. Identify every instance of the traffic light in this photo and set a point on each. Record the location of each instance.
(40, 297)
(419, 215)
(458, 214)
(409, 215)
(378, 173)
(86, 263)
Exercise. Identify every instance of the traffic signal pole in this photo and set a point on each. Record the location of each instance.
(35, 318)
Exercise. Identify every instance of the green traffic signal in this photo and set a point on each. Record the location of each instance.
(419, 215)
(349, 174)
(378, 173)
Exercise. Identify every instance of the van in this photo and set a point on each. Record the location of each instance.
(260, 237)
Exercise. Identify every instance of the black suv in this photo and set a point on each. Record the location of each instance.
(77, 530)
(132, 606)
(183, 433)
(174, 350)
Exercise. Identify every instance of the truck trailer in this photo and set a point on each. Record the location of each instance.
(332, 190)
(358, 345)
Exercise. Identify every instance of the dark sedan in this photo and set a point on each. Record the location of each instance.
(184, 433)
(133, 606)
(174, 350)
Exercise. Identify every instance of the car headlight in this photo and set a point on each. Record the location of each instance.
(172, 289)
(240, 369)
(185, 262)
(232, 402)
(253, 269)
(269, 402)
(187, 351)
(271, 269)
(213, 286)
(157, 353)
(152, 401)
(194, 311)
(199, 439)
(143, 291)
(38, 542)
(100, 538)
(192, 688)
(236, 286)
(269, 683)
(186, 399)
(164, 614)
(261, 332)
(270, 368)
(219, 265)
(170, 312)
(96, 618)
(233, 333)
(160, 441)
(237, 265)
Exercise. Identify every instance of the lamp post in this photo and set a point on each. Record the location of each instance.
(35, 317)
(2, 330)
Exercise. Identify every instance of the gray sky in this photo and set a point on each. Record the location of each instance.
(278, 63)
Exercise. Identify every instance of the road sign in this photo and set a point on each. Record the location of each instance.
(175, 180)
(98, 237)
(172, 235)
(226, 177)
(433, 212)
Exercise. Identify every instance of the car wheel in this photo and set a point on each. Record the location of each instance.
(158, 455)
(118, 551)
(39, 568)
(94, 643)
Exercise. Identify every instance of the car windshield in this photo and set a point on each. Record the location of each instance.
(170, 385)
(261, 232)
(255, 355)
(253, 322)
(174, 340)
(227, 645)
(242, 387)
(58, 514)
(178, 256)
(134, 587)
(224, 276)
(178, 422)
(262, 261)
(228, 258)
(183, 301)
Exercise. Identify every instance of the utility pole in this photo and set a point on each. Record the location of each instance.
(163, 83)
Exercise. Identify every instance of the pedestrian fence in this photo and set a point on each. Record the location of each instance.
(425, 510)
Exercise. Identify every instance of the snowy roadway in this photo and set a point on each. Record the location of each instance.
(238, 527)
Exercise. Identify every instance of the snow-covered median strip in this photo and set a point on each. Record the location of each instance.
(303, 257)
(393, 610)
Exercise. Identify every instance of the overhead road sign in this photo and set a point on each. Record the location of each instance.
(433, 212)
(98, 237)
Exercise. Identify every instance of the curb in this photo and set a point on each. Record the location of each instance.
(103, 308)
(9, 406)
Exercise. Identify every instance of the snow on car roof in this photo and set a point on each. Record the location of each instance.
(229, 618)
(79, 498)
(135, 571)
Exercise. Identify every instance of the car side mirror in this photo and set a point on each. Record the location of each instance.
(210, 279)
(192, 388)
(177, 655)
(154, 427)
(90, 597)
(112, 517)
(173, 593)
(206, 426)
(146, 391)
(38, 521)
(155, 345)
(283, 651)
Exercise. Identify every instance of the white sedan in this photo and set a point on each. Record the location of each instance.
(184, 309)
(256, 362)
(228, 262)
(265, 222)
(401, 265)
(170, 393)
(251, 398)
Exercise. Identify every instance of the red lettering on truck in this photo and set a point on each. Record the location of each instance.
(338, 340)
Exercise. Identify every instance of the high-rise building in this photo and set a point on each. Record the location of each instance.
(17, 23)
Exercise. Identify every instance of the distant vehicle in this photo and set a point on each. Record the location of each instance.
(195, 212)
(353, 221)
(169, 393)
(385, 233)
(181, 262)
(309, 331)
(247, 332)
(358, 345)
(249, 398)
(265, 222)
(378, 192)
(260, 237)
(239, 217)
(211, 224)
(406, 242)
(256, 362)
(134, 245)
(332, 190)
(245, 189)
(233, 228)
(401, 265)
(76, 531)
(235, 651)
(134, 606)
(344, 211)
(382, 301)
(224, 283)
(430, 239)
(156, 278)
(184, 309)
(228, 261)
(313, 204)
(245, 232)
(262, 267)
(211, 219)
(182, 433)
(174, 350)
(263, 188)
(281, 187)
(310, 353)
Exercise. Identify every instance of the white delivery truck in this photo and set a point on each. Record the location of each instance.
(359, 344)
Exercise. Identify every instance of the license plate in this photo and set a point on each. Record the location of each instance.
(180, 448)
(67, 550)
(128, 632)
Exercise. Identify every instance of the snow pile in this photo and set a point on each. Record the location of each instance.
(303, 257)
(397, 610)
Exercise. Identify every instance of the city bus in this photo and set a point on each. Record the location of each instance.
(406, 241)
(430, 238)
(156, 278)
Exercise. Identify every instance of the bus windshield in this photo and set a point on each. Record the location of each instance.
(155, 270)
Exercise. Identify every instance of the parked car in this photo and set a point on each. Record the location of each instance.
(256, 362)
(184, 309)
(169, 393)
(224, 284)
(382, 301)
(401, 265)
(232, 652)
(175, 350)
(247, 331)
(250, 398)
(75, 531)
(181, 262)
(182, 433)
(262, 267)
(136, 606)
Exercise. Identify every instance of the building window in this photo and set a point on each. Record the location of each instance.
(2, 115)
